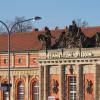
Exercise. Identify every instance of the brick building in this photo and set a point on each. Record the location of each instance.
(38, 75)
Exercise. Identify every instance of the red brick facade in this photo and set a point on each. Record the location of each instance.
(38, 75)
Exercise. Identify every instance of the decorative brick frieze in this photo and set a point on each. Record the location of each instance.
(21, 72)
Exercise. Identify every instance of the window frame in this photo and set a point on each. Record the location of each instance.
(5, 61)
(21, 90)
(72, 84)
(36, 93)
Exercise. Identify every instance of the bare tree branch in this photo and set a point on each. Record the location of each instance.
(22, 27)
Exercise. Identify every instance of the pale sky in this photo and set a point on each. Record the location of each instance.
(53, 12)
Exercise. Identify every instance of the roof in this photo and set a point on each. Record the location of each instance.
(28, 40)
(91, 31)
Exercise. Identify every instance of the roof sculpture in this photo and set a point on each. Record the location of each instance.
(73, 38)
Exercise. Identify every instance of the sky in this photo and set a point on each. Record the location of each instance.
(53, 12)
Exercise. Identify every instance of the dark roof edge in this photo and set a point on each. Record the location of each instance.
(19, 51)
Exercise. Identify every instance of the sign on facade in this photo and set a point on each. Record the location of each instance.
(69, 54)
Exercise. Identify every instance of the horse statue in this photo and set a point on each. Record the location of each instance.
(61, 41)
(69, 40)
(78, 39)
(74, 38)
(45, 39)
(42, 39)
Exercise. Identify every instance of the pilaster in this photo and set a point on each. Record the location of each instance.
(62, 83)
(27, 87)
(80, 82)
(97, 83)
(27, 60)
(41, 82)
(46, 82)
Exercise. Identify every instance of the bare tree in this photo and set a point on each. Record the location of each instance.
(81, 23)
(21, 27)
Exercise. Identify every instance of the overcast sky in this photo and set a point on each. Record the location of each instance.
(53, 12)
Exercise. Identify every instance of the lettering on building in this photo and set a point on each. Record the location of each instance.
(70, 54)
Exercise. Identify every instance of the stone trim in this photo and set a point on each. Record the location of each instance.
(69, 61)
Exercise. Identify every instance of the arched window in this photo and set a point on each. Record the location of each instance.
(5, 95)
(35, 90)
(20, 90)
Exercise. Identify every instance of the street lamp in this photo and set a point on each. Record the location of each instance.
(9, 31)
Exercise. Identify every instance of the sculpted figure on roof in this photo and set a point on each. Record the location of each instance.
(46, 39)
(73, 28)
(74, 38)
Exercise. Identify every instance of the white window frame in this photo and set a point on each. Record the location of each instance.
(73, 84)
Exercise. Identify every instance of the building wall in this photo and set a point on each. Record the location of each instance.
(26, 67)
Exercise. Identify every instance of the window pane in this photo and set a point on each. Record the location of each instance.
(35, 91)
(20, 91)
(72, 87)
